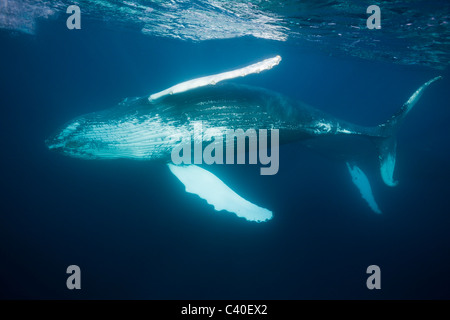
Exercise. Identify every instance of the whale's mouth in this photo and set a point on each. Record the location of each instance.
(59, 140)
(54, 144)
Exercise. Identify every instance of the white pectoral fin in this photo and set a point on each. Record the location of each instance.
(362, 183)
(210, 188)
(213, 79)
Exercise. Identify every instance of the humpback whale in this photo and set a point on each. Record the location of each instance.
(149, 128)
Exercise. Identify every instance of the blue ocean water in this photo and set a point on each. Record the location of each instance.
(135, 232)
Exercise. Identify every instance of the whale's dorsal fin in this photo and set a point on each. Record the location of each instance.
(213, 79)
(207, 186)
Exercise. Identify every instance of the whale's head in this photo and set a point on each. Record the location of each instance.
(70, 140)
(84, 137)
(115, 133)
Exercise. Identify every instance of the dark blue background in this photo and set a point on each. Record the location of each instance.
(135, 233)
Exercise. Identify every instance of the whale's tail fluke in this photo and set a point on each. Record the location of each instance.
(387, 142)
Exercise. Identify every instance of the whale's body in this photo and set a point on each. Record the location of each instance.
(145, 130)
(149, 128)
